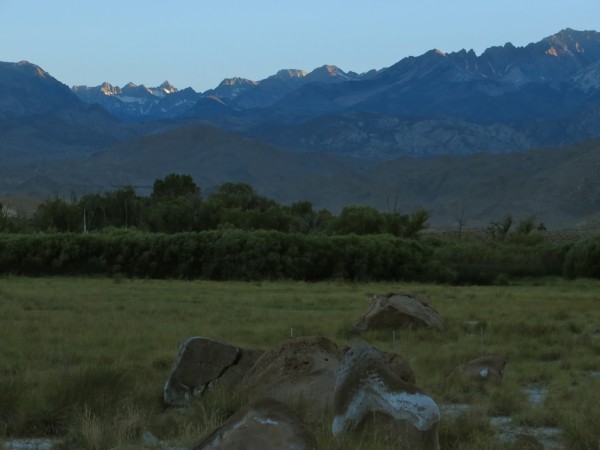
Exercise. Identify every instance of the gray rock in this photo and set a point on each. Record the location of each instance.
(203, 363)
(301, 368)
(399, 310)
(29, 444)
(263, 425)
(366, 385)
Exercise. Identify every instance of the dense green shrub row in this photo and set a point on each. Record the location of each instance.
(234, 254)
(483, 262)
(226, 254)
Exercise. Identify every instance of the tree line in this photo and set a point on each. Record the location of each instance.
(176, 205)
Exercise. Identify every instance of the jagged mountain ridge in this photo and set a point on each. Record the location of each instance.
(555, 59)
(502, 84)
(498, 98)
(132, 102)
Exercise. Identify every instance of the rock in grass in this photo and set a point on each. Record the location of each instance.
(485, 368)
(203, 363)
(298, 369)
(366, 385)
(265, 424)
(398, 311)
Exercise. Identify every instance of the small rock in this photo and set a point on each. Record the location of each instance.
(484, 368)
(29, 444)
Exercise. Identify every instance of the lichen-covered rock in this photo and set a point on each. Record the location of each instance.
(397, 311)
(203, 363)
(265, 424)
(366, 385)
(301, 368)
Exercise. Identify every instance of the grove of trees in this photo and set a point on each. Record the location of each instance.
(177, 205)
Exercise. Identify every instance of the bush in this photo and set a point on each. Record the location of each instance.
(476, 262)
(583, 259)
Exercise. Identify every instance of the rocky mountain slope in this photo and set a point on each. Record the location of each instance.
(132, 102)
(42, 120)
(506, 99)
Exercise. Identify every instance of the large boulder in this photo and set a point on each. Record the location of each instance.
(265, 424)
(203, 363)
(301, 368)
(366, 385)
(485, 368)
(399, 310)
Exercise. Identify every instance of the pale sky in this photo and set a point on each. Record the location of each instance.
(198, 43)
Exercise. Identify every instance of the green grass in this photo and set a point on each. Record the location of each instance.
(86, 359)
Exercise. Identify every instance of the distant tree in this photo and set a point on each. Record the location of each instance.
(498, 230)
(359, 220)
(239, 195)
(461, 221)
(526, 225)
(417, 222)
(3, 218)
(305, 219)
(240, 206)
(174, 205)
(122, 208)
(174, 186)
(93, 208)
(57, 215)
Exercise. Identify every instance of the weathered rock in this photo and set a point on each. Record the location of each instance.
(203, 363)
(399, 366)
(484, 368)
(397, 311)
(366, 385)
(234, 374)
(302, 368)
(265, 424)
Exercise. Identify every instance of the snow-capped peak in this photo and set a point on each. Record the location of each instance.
(291, 73)
(165, 88)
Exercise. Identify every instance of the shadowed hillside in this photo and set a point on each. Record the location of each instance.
(560, 185)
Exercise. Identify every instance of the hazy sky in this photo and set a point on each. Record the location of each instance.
(197, 43)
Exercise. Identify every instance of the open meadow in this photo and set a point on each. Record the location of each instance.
(84, 360)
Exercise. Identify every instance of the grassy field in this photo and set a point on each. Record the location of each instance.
(86, 359)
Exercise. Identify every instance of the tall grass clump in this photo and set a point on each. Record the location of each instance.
(580, 423)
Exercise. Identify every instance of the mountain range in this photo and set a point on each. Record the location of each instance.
(435, 131)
